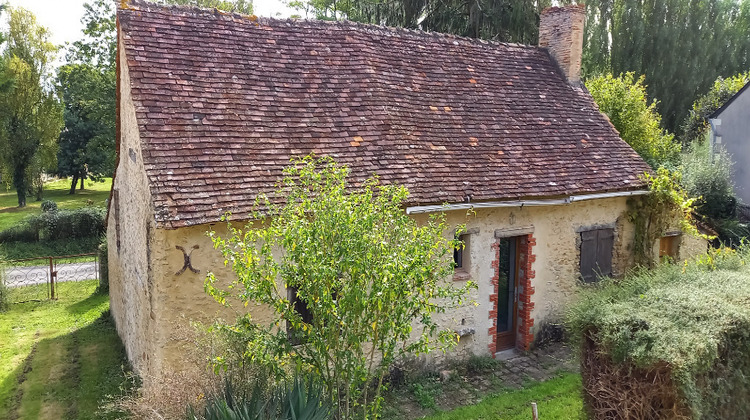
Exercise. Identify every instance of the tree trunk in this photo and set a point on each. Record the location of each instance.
(19, 181)
(83, 176)
(73, 184)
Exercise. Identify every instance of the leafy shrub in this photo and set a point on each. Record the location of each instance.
(301, 400)
(696, 123)
(652, 214)
(709, 180)
(21, 232)
(48, 206)
(103, 267)
(623, 99)
(380, 276)
(670, 342)
(86, 222)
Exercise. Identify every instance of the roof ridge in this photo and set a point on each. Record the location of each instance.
(140, 4)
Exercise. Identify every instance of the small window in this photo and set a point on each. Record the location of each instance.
(596, 254)
(300, 306)
(669, 247)
(461, 255)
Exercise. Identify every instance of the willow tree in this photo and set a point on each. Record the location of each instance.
(681, 46)
(500, 20)
(30, 115)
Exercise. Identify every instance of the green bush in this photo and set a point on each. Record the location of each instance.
(48, 206)
(103, 267)
(696, 123)
(709, 180)
(623, 99)
(672, 342)
(87, 222)
(22, 232)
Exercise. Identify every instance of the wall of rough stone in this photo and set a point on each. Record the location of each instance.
(179, 294)
(692, 246)
(131, 300)
(556, 265)
(180, 298)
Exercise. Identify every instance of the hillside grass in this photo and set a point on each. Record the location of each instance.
(57, 191)
(61, 359)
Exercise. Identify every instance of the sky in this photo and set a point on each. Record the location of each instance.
(63, 17)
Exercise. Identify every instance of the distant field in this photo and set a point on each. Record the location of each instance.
(57, 191)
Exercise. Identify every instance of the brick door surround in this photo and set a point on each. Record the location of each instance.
(526, 274)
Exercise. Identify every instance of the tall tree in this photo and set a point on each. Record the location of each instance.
(30, 115)
(87, 146)
(681, 46)
(500, 20)
(239, 6)
(87, 83)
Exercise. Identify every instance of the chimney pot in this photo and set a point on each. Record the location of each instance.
(561, 33)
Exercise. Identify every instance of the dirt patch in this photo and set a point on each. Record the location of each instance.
(52, 410)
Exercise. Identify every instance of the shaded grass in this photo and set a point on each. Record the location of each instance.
(60, 359)
(559, 398)
(57, 191)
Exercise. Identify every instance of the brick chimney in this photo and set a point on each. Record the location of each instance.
(561, 33)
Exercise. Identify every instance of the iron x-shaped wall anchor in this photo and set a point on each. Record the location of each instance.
(187, 265)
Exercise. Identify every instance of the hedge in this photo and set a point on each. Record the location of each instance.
(669, 343)
(85, 222)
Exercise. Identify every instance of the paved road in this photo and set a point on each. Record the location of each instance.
(26, 276)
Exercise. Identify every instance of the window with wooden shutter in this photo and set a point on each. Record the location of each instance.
(596, 253)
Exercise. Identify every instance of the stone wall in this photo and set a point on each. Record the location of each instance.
(129, 234)
(178, 296)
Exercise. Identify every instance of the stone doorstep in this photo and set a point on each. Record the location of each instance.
(509, 354)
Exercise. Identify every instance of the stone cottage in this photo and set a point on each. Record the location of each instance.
(730, 129)
(212, 106)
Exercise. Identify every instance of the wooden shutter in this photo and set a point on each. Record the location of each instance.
(605, 241)
(596, 253)
(588, 255)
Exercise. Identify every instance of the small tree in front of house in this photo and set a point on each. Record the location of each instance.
(353, 282)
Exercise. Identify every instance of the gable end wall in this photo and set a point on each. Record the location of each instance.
(131, 300)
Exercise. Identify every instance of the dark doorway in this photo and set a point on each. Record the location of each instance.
(507, 293)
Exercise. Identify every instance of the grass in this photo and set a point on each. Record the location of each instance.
(57, 191)
(558, 398)
(60, 359)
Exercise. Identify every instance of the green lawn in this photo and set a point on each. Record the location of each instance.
(57, 191)
(60, 359)
(559, 398)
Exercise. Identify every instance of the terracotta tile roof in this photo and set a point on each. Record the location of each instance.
(223, 102)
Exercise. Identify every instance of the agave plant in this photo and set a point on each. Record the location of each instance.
(300, 401)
